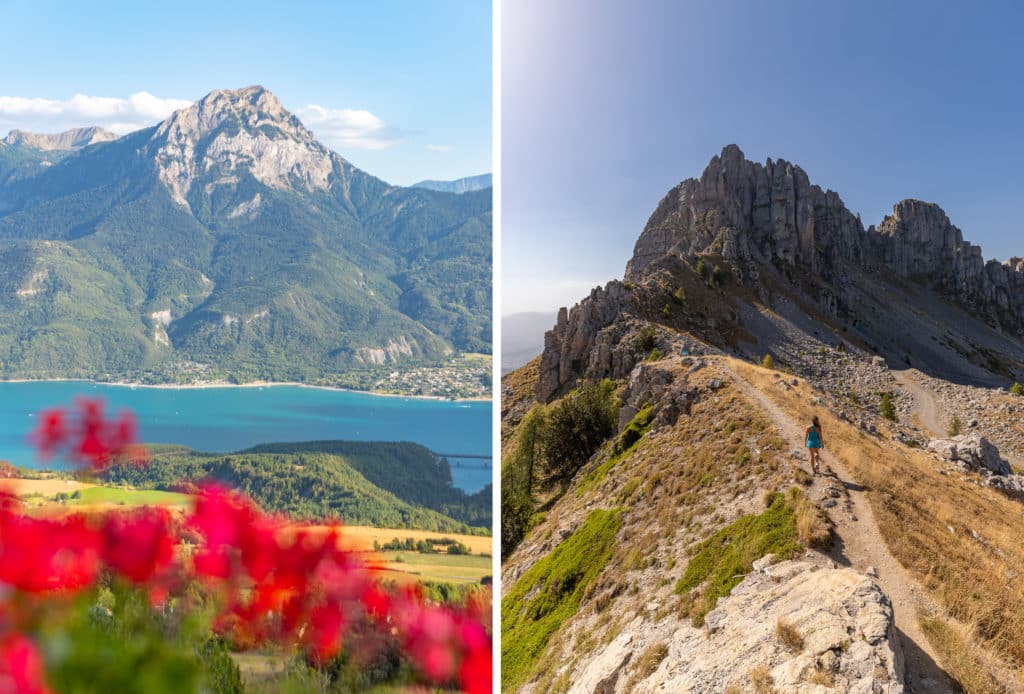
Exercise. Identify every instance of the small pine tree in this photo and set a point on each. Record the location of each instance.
(717, 275)
(768, 362)
(702, 269)
(955, 426)
(680, 296)
(887, 409)
(1017, 388)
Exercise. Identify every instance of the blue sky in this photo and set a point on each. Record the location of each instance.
(405, 87)
(607, 105)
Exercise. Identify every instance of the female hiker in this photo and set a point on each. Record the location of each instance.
(814, 442)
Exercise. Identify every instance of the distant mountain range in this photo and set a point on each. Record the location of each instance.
(522, 337)
(227, 241)
(460, 185)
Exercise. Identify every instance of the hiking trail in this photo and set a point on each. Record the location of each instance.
(859, 544)
(926, 406)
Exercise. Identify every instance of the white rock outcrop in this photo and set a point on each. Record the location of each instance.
(844, 619)
(973, 450)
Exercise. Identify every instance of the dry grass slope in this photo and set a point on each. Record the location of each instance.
(961, 541)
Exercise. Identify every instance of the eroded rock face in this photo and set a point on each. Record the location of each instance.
(770, 219)
(752, 213)
(749, 212)
(918, 241)
(585, 341)
(843, 618)
(651, 384)
(236, 132)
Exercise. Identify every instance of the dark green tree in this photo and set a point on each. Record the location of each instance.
(576, 426)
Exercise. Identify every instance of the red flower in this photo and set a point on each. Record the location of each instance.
(476, 672)
(38, 554)
(139, 543)
(297, 587)
(52, 433)
(21, 667)
(326, 625)
(91, 440)
(376, 601)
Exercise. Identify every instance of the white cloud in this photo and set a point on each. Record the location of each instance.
(118, 114)
(349, 128)
(343, 129)
(439, 148)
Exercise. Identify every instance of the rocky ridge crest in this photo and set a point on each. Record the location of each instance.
(769, 227)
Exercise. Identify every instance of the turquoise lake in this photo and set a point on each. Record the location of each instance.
(220, 420)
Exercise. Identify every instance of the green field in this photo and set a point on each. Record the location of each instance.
(444, 568)
(126, 497)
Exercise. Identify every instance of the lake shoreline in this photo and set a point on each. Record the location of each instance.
(252, 384)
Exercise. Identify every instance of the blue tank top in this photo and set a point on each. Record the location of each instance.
(813, 438)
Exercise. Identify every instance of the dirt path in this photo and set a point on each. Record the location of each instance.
(926, 406)
(859, 544)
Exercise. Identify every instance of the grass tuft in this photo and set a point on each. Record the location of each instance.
(647, 663)
(962, 658)
(789, 636)
(762, 681)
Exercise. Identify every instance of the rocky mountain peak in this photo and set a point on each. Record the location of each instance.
(234, 132)
(749, 213)
(918, 239)
(755, 215)
(76, 138)
(247, 108)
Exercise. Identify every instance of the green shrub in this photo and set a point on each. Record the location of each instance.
(768, 362)
(956, 427)
(718, 275)
(222, 674)
(636, 428)
(645, 340)
(574, 429)
(627, 441)
(459, 548)
(887, 409)
(1017, 388)
(121, 644)
(702, 269)
(680, 296)
(655, 355)
(519, 472)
